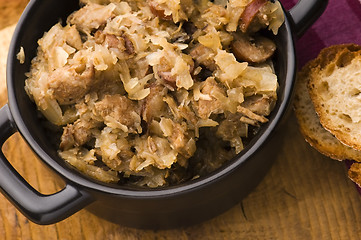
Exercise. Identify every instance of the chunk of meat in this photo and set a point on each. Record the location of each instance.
(164, 71)
(259, 104)
(231, 128)
(119, 159)
(206, 107)
(67, 140)
(77, 134)
(121, 45)
(203, 56)
(153, 105)
(255, 49)
(70, 83)
(158, 11)
(250, 13)
(181, 141)
(109, 40)
(168, 78)
(91, 17)
(188, 114)
(120, 108)
(129, 47)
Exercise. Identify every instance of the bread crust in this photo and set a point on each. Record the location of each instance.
(334, 86)
(309, 124)
(354, 173)
(334, 74)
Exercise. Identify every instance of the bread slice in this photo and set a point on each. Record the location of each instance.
(354, 173)
(310, 126)
(335, 89)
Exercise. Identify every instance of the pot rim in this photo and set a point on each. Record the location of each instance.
(78, 179)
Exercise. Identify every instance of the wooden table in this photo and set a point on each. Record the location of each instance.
(304, 196)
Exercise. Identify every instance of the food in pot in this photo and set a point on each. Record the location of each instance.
(156, 92)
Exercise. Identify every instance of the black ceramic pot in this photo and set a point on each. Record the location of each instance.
(175, 206)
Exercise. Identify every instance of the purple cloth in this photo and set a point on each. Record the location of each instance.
(340, 23)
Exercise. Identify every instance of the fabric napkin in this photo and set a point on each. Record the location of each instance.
(340, 23)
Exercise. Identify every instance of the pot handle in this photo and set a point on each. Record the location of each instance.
(39, 208)
(305, 13)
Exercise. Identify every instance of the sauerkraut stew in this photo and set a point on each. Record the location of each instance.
(156, 92)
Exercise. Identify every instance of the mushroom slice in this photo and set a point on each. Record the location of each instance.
(255, 49)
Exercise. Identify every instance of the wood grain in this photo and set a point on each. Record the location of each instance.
(304, 196)
(10, 11)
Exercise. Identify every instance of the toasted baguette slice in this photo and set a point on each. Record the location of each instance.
(335, 89)
(310, 126)
(354, 173)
